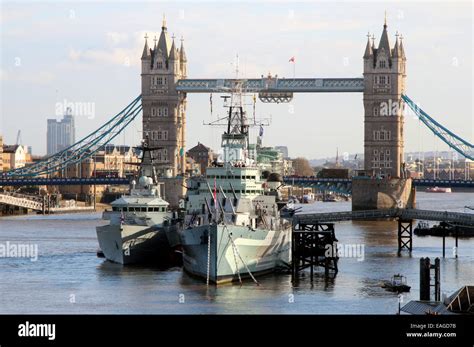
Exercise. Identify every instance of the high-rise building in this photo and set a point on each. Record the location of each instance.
(164, 108)
(1, 153)
(384, 82)
(60, 134)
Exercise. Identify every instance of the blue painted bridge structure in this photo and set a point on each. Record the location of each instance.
(344, 185)
(329, 183)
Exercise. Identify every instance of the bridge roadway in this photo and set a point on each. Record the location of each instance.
(273, 84)
(403, 214)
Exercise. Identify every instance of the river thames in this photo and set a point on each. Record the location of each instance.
(68, 277)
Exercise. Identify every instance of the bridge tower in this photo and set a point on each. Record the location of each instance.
(164, 109)
(384, 82)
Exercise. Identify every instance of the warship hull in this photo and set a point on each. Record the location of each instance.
(233, 250)
(133, 244)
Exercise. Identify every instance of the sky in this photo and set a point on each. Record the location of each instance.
(89, 53)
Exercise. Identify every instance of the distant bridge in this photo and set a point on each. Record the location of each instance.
(330, 183)
(19, 182)
(37, 203)
(419, 182)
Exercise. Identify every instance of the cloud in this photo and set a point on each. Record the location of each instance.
(296, 26)
(14, 14)
(115, 38)
(39, 77)
(127, 55)
(116, 56)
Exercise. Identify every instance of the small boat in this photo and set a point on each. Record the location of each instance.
(398, 284)
(422, 228)
(330, 198)
(443, 229)
(438, 190)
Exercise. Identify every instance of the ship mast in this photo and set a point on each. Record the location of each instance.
(236, 138)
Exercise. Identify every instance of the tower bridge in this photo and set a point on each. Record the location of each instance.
(163, 103)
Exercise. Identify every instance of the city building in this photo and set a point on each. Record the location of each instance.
(60, 134)
(202, 155)
(193, 168)
(164, 109)
(14, 157)
(283, 150)
(270, 159)
(109, 161)
(384, 82)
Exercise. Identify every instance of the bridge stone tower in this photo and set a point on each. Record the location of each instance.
(164, 109)
(384, 82)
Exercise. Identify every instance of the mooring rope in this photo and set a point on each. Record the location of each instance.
(208, 256)
(233, 252)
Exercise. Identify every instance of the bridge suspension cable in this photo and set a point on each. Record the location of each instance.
(83, 148)
(454, 141)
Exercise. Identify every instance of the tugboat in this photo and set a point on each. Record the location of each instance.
(397, 284)
(142, 229)
(234, 229)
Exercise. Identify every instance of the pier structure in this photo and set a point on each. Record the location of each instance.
(404, 217)
(313, 245)
(430, 277)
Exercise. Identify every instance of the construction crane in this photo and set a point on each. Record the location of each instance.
(18, 137)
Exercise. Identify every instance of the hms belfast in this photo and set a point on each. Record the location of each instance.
(234, 229)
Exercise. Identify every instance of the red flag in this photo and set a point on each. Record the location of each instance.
(215, 193)
(292, 60)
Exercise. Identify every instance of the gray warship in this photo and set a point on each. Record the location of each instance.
(232, 225)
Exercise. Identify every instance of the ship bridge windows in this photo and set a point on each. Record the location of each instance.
(138, 209)
(235, 177)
